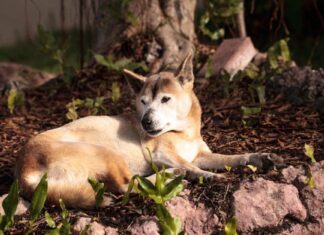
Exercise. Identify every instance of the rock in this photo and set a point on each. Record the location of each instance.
(194, 219)
(145, 225)
(310, 229)
(314, 197)
(95, 227)
(290, 173)
(232, 55)
(21, 77)
(22, 206)
(265, 203)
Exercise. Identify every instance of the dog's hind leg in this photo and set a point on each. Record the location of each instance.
(206, 160)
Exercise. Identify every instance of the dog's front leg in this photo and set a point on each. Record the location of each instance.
(207, 160)
(170, 160)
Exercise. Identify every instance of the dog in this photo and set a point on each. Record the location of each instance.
(112, 149)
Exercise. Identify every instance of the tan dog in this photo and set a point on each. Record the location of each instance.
(113, 149)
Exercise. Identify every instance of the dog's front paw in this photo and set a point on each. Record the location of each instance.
(264, 160)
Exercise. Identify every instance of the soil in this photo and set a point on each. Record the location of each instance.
(281, 128)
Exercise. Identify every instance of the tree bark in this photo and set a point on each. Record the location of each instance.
(170, 21)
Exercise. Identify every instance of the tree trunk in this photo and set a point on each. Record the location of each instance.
(170, 21)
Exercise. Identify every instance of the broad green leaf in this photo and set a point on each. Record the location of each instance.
(261, 93)
(230, 227)
(115, 92)
(169, 224)
(146, 185)
(153, 165)
(39, 198)
(250, 111)
(285, 54)
(99, 188)
(49, 220)
(55, 231)
(65, 213)
(200, 179)
(309, 152)
(102, 60)
(252, 71)
(159, 181)
(156, 198)
(252, 168)
(175, 192)
(310, 182)
(72, 114)
(130, 187)
(15, 99)
(173, 185)
(9, 205)
(228, 168)
(1, 232)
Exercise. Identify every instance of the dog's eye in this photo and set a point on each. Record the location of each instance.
(165, 99)
(143, 102)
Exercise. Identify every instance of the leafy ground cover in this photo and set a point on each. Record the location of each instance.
(280, 127)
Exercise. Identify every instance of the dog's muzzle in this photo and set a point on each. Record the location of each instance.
(148, 124)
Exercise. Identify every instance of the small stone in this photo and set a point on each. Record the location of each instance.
(194, 219)
(290, 173)
(95, 227)
(232, 55)
(145, 225)
(22, 206)
(264, 203)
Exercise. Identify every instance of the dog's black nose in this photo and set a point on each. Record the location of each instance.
(147, 121)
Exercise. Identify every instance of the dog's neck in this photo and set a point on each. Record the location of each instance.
(190, 127)
(194, 118)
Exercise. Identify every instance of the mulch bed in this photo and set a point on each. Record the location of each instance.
(281, 127)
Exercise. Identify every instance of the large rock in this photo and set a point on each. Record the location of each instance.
(314, 197)
(22, 206)
(195, 219)
(95, 227)
(21, 77)
(309, 229)
(231, 56)
(264, 203)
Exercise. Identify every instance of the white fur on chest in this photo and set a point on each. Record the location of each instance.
(187, 150)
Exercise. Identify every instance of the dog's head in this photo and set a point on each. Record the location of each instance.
(164, 100)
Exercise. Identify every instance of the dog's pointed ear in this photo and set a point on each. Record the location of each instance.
(136, 81)
(185, 72)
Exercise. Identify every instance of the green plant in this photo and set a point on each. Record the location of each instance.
(99, 189)
(92, 106)
(50, 46)
(218, 14)
(118, 65)
(160, 192)
(15, 99)
(278, 59)
(64, 227)
(230, 227)
(9, 205)
(115, 92)
(309, 152)
(252, 168)
(38, 201)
